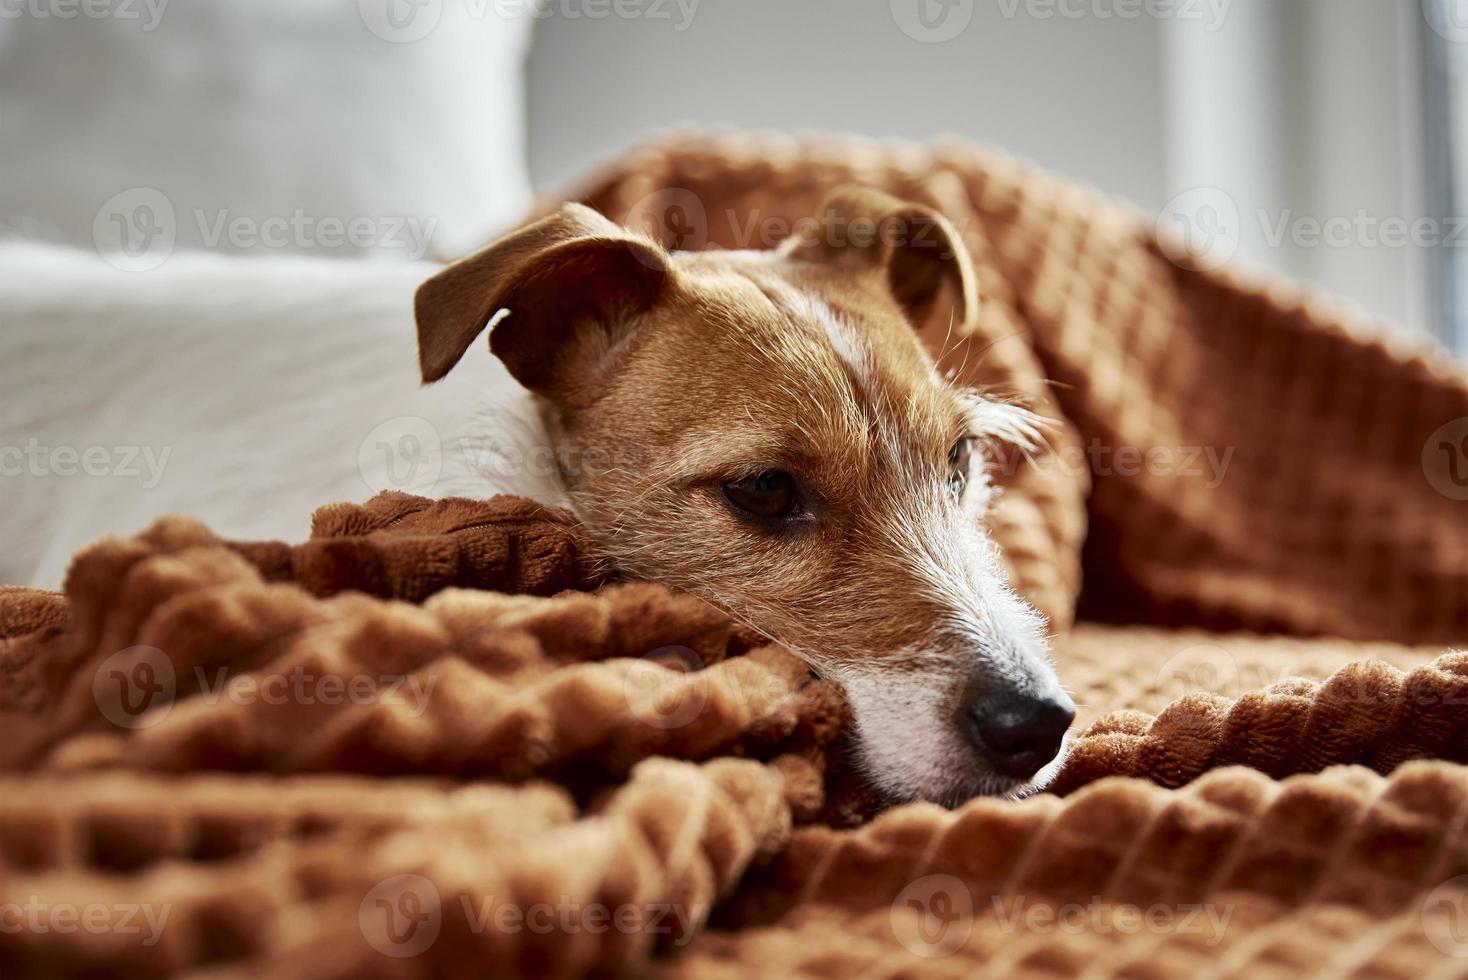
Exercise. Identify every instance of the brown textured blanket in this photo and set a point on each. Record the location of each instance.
(439, 739)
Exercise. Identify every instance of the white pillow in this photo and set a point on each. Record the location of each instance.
(385, 127)
(242, 391)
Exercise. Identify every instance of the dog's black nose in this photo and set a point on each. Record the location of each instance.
(1017, 734)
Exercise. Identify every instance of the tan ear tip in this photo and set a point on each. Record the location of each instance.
(431, 364)
(574, 220)
(435, 356)
(430, 369)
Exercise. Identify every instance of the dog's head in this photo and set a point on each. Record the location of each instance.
(765, 430)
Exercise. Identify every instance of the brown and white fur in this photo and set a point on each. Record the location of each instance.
(666, 379)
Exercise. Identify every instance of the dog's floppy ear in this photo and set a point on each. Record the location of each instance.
(927, 266)
(564, 281)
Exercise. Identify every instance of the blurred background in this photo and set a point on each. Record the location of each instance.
(1320, 138)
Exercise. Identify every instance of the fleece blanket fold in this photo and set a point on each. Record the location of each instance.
(440, 738)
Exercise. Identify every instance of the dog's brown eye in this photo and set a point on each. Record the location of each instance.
(958, 465)
(767, 496)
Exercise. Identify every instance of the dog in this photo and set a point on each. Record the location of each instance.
(764, 429)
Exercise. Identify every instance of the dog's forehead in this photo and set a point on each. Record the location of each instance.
(770, 291)
(800, 346)
(801, 312)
